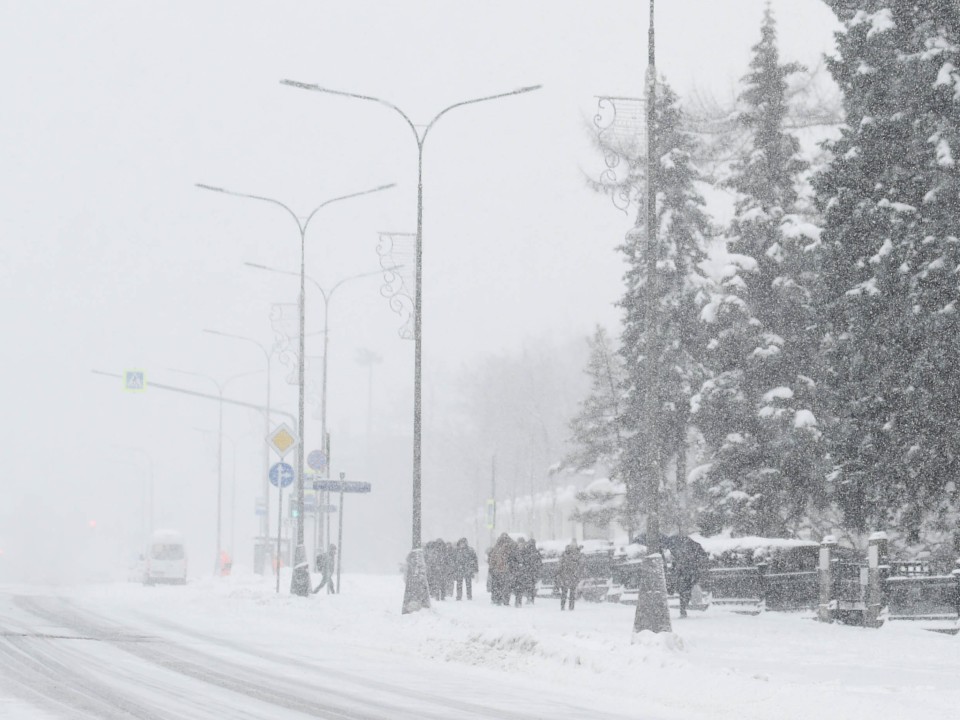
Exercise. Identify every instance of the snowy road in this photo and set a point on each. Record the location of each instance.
(60, 658)
(233, 648)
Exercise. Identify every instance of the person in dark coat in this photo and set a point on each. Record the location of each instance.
(433, 559)
(493, 598)
(465, 567)
(532, 566)
(326, 564)
(449, 569)
(568, 574)
(522, 572)
(503, 566)
(689, 559)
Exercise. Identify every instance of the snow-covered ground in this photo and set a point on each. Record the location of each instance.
(473, 659)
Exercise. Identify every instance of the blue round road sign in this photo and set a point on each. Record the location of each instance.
(317, 460)
(281, 474)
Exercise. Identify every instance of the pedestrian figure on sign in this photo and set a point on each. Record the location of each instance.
(466, 567)
(568, 574)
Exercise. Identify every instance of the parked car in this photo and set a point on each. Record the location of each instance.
(166, 559)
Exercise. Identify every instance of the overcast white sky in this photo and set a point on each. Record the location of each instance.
(110, 258)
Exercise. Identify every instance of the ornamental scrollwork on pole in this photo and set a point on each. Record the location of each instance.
(621, 136)
(397, 253)
(285, 323)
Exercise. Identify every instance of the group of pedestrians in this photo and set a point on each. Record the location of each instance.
(450, 566)
(514, 570)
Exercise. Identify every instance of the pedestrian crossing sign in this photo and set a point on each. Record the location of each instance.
(134, 381)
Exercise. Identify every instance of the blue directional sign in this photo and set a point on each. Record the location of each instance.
(347, 486)
(281, 474)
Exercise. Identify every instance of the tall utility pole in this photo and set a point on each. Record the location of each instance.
(652, 610)
(652, 399)
(417, 598)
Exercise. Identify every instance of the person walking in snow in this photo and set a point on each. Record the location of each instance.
(466, 566)
(433, 558)
(503, 565)
(519, 581)
(532, 566)
(568, 574)
(326, 564)
(689, 560)
(449, 568)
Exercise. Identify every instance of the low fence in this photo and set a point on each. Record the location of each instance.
(841, 587)
(924, 598)
(735, 585)
(831, 581)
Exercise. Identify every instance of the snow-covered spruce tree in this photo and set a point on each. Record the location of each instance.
(683, 227)
(891, 201)
(758, 410)
(595, 431)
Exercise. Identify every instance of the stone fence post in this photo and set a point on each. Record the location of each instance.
(876, 562)
(825, 575)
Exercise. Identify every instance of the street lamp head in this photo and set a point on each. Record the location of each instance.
(317, 88)
(203, 186)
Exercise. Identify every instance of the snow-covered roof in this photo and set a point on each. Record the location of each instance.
(167, 536)
(606, 485)
(719, 544)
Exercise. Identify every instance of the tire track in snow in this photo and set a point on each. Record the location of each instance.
(280, 692)
(463, 709)
(39, 669)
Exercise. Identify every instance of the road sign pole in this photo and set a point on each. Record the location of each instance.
(326, 520)
(340, 534)
(279, 531)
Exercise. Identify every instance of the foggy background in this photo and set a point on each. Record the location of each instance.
(111, 259)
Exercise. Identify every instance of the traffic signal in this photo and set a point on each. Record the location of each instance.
(294, 512)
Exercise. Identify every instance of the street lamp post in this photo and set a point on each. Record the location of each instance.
(300, 582)
(422, 599)
(221, 386)
(268, 355)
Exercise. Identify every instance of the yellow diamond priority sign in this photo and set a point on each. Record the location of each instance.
(282, 440)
